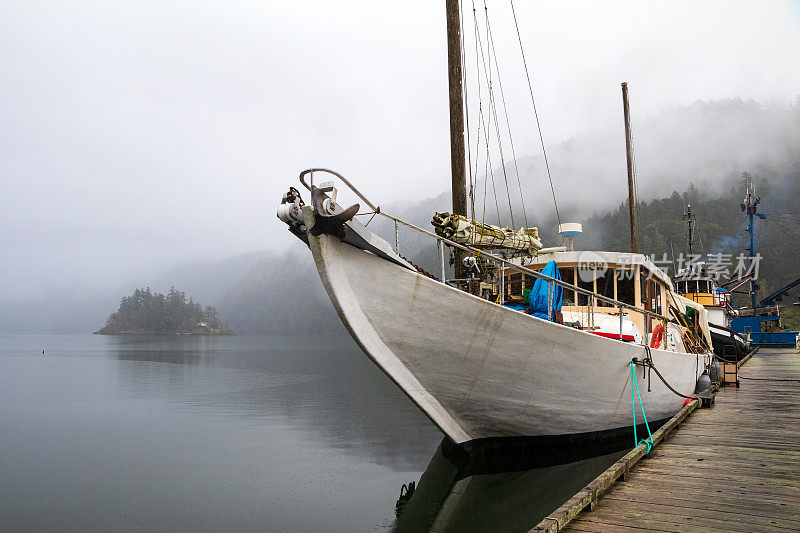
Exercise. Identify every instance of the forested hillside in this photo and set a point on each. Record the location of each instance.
(148, 312)
(720, 228)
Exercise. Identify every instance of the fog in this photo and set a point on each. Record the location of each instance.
(137, 136)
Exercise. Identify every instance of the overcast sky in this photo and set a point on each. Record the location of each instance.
(136, 135)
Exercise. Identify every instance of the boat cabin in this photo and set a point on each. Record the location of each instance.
(696, 285)
(700, 288)
(629, 278)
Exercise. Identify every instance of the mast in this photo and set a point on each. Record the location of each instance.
(457, 167)
(628, 150)
(750, 205)
(458, 172)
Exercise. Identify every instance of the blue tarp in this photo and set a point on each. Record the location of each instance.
(538, 295)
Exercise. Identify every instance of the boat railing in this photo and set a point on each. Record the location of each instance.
(311, 171)
(507, 263)
(591, 296)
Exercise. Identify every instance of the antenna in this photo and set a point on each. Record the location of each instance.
(688, 217)
(750, 206)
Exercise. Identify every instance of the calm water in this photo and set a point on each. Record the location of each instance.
(231, 433)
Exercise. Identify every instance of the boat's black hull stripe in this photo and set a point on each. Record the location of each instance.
(497, 454)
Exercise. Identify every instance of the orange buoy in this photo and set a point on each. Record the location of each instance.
(657, 336)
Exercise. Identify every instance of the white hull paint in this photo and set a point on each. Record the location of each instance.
(479, 370)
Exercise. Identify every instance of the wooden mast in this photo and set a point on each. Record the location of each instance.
(456, 108)
(457, 167)
(628, 150)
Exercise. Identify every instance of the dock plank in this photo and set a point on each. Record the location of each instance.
(733, 467)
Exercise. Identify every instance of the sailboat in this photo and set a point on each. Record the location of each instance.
(485, 372)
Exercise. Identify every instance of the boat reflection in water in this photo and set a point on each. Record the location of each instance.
(501, 490)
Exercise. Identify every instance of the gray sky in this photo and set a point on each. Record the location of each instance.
(136, 135)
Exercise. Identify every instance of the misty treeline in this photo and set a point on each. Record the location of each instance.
(700, 151)
(151, 312)
(720, 228)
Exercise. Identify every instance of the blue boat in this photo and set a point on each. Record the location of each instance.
(761, 322)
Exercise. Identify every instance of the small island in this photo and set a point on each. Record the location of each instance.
(152, 313)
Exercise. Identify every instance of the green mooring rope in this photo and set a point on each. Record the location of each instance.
(648, 440)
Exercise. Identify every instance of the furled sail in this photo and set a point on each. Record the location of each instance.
(462, 230)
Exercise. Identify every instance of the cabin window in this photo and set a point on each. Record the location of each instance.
(514, 285)
(605, 286)
(585, 281)
(643, 287)
(655, 293)
(568, 275)
(625, 286)
(529, 281)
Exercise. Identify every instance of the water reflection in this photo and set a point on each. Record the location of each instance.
(239, 433)
(326, 384)
(201, 434)
(456, 493)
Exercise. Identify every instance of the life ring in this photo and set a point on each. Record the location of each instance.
(657, 336)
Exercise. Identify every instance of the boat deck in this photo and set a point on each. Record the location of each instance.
(733, 467)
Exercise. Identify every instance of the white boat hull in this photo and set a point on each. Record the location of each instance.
(482, 371)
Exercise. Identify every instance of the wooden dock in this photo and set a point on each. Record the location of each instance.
(733, 467)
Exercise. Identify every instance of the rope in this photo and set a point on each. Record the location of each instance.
(536, 114)
(649, 439)
(649, 363)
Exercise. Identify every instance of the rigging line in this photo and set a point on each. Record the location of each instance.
(485, 181)
(482, 122)
(490, 37)
(493, 108)
(480, 110)
(486, 129)
(478, 156)
(493, 114)
(536, 114)
(502, 156)
(465, 92)
(795, 246)
(491, 173)
(477, 160)
(785, 229)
